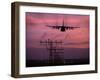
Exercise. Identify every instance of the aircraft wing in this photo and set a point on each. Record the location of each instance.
(70, 27)
(56, 27)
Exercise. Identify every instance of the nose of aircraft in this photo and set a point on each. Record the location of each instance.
(62, 29)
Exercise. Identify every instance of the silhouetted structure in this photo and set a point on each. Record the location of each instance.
(55, 51)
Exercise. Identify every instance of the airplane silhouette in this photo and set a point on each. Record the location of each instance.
(62, 27)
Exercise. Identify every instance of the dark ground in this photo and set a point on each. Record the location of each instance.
(38, 63)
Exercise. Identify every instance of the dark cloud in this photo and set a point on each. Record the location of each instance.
(77, 43)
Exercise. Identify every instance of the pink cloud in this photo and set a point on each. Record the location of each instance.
(41, 32)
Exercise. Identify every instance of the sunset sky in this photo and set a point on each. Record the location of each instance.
(36, 29)
(75, 42)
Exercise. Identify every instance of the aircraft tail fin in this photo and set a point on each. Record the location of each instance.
(63, 22)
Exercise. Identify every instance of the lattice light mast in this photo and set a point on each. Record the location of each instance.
(55, 51)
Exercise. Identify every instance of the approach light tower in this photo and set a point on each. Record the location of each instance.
(55, 51)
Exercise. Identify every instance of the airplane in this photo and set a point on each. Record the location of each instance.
(62, 27)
